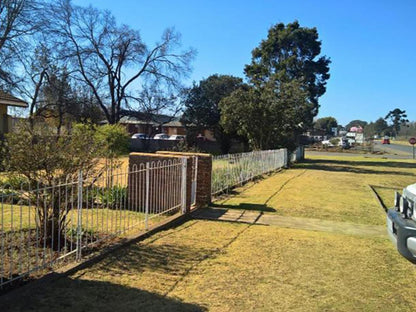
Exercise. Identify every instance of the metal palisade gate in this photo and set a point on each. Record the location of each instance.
(194, 179)
(46, 224)
(234, 169)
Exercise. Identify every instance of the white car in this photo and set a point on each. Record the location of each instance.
(140, 136)
(177, 137)
(161, 136)
(327, 143)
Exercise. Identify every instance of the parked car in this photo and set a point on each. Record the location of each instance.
(161, 136)
(386, 140)
(142, 136)
(401, 223)
(345, 145)
(327, 143)
(177, 137)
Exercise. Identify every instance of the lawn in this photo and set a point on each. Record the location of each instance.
(331, 188)
(229, 266)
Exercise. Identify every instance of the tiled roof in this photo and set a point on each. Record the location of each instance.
(174, 123)
(8, 99)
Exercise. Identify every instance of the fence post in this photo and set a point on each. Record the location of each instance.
(146, 217)
(183, 199)
(79, 217)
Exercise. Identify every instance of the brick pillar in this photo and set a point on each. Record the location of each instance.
(137, 183)
(203, 181)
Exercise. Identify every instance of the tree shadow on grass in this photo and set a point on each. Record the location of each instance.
(172, 259)
(68, 294)
(246, 206)
(356, 166)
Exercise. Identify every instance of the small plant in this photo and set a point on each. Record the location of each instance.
(334, 141)
(183, 146)
(113, 198)
(16, 182)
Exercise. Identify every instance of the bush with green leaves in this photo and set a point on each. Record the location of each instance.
(113, 140)
(45, 159)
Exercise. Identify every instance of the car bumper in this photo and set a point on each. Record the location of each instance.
(402, 232)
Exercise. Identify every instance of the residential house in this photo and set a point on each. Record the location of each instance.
(355, 135)
(174, 127)
(147, 123)
(316, 135)
(150, 124)
(7, 100)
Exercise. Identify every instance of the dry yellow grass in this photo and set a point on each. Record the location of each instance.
(331, 188)
(216, 266)
(222, 266)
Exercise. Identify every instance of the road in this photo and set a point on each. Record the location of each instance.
(403, 150)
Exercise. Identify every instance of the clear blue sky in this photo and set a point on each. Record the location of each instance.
(372, 44)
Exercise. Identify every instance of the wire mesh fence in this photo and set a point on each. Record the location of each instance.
(49, 223)
(234, 169)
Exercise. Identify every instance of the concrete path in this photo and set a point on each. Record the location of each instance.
(254, 217)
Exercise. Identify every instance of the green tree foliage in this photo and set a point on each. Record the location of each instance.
(379, 127)
(286, 77)
(202, 109)
(266, 120)
(114, 140)
(289, 53)
(356, 123)
(326, 123)
(46, 160)
(398, 118)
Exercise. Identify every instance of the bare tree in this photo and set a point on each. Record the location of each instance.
(35, 68)
(19, 19)
(113, 60)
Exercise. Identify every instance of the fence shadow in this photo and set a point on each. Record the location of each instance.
(68, 294)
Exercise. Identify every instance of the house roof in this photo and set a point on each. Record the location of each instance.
(173, 123)
(10, 100)
(136, 121)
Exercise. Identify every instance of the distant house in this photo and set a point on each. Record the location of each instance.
(355, 135)
(7, 100)
(174, 127)
(150, 124)
(316, 135)
(135, 125)
(358, 129)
